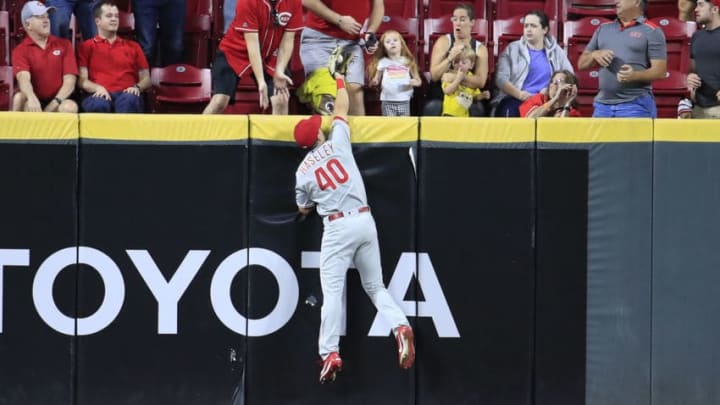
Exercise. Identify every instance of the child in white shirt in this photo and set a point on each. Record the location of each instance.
(393, 67)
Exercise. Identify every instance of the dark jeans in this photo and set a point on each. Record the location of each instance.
(60, 19)
(433, 108)
(508, 107)
(122, 102)
(162, 46)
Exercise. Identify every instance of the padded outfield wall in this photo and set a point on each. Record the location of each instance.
(158, 260)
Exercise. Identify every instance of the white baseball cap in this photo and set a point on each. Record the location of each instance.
(32, 8)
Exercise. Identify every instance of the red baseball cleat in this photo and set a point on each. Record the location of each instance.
(331, 365)
(406, 346)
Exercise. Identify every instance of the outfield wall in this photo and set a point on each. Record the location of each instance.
(157, 259)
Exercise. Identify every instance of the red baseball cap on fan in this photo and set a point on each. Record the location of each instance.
(306, 131)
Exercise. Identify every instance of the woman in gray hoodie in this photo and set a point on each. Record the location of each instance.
(526, 65)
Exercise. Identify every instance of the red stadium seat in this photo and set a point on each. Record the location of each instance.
(504, 9)
(180, 89)
(246, 98)
(577, 34)
(587, 89)
(589, 8)
(4, 39)
(677, 36)
(668, 92)
(401, 8)
(512, 29)
(440, 8)
(6, 87)
(198, 33)
(126, 25)
(662, 8)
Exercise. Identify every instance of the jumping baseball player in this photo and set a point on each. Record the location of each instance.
(329, 180)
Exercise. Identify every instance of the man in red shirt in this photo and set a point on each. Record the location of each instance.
(259, 41)
(44, 65)
(113, 70)
(332, 23)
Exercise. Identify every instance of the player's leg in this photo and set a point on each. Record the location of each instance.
(336, 255)
(367, 261)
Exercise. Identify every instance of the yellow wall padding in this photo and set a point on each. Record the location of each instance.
(38, 126)
(592, 130)
(477, 130)
(362, 129)
(164, 128)
(690, 130)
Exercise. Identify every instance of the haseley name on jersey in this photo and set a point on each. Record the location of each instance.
(323, 151)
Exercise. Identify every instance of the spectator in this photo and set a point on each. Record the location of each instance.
(394, 68)
(44, 65)
(631, 53)
(241, 51)
(331, 23)
(159, 26)
(685, 108)
(458, 97)
(704, 80)
(557, 102)
(525, 66)
(64, 9)
(685, 10)
(113, 70)
(445, 50)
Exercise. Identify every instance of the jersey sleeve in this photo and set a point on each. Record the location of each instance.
(657, 47)
(246, 17)
(340, 134)
(20, 61)
(296, 20)
(84, 53)
(302, 197)
(530, 104)
(69, 60)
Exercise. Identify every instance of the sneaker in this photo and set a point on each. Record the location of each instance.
(331, 365)
(406, 346)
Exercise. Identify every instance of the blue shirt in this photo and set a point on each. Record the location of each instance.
(539, 72)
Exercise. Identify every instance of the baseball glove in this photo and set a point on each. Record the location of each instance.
(339, 60)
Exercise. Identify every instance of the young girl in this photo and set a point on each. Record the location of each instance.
(394, 67)
(458, 98)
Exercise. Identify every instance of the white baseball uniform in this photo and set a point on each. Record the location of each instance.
(329, 179)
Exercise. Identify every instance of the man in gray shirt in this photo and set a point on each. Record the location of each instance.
(631, 52)
(704, 79)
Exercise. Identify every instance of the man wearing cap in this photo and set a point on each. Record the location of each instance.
(632, 53)
(260, 42)
(44, 65)
(113, 70)
(704, 80)
(331, 23)
(329, 180)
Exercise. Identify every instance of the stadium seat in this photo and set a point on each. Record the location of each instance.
(180, 89)
(512, 29)
(441, 8)
(126, 25)
(401, 8)
(4, 39)
(668, 92)
(577, 34)
(504, 9)
(587, 89)
(662, 8)
(6, 87)
(198, 33)
(246, 98)
(677, 36)
(589, 8)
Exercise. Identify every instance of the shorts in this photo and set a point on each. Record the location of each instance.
(225, 80)
(395, 108)
(316, 47)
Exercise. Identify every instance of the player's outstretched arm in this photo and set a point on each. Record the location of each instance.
(342, 102)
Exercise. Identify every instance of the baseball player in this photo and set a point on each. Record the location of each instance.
(329, 180)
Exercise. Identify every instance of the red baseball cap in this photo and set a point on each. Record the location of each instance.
(306, 131)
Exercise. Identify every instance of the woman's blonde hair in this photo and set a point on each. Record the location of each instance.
(382, 53)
